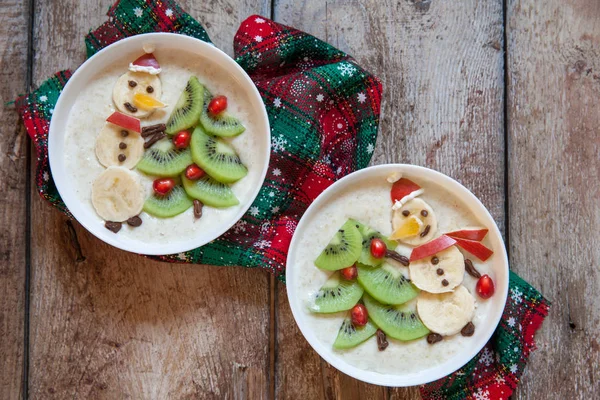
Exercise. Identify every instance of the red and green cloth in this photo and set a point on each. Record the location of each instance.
(324, 112)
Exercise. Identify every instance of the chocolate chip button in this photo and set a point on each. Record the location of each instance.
(122, 157)
(435, 260)
(440, 272)
(445, 282)
(122, 145)
(124, 133)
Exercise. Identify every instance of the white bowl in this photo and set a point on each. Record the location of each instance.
(129, 49)
(499, 265)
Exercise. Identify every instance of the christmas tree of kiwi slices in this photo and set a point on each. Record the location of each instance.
(194, 162)
(362, 281)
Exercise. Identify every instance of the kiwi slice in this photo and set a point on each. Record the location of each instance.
(351, 335)
(164, 160)
(336, 295)
(223, 124)
(210, 192)
(386, 284)
(169, 205)
(216, 157)
(188, 107)
(398, 322)
(343, 249)
(369, 234)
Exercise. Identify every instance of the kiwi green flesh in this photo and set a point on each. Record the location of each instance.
(398, 322)
(343, 250)
(169, 205)
(216, 157)
(165, 163)
(210, 192)
(386, 284)
(369, 234)
(351, 335)
(336, 295)
(188, 108)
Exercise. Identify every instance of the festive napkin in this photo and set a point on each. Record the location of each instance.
(324, 112)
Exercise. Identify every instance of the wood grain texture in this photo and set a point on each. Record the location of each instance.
(117, 325)
(14, 23)
(442, 70)
(554, 185)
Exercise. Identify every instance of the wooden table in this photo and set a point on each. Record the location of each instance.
(503, 96)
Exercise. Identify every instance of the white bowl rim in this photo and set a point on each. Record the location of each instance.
(61, 181)
(443, 369)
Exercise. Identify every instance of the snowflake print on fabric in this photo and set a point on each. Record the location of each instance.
(487, 358)
(514, 368)
(361, 97)
(346, 68)
(138, 12)
(240, 226)
(277, 172)
(516, 295)
(511, 322)
(277, 102)
(320, 97)
(182, 256)
(258, 38)
(271, 194)
(275, 210)
(254, 211)
(262, 244)
(259, 20)
(481, 395)
(46, 176)
(278, 144)
(169, 12)
(43, 98)
(370, 148)
(264, 228)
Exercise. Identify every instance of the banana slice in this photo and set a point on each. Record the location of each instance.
(451, 265)
(117, 195)
(131, 83)
(446, 313)
(421, 210)
(109, 147)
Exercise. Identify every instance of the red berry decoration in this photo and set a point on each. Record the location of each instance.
(182, 139)
(217, 105)
(194, 172)
(162, 186)
(485, 287)
(349, 273)
(378, 248)
(359, 315)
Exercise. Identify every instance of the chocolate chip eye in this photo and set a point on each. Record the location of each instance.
(424, 213)
(132, 84)
(149, 89)
(406, 213)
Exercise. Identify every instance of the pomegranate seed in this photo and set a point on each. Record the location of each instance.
(359, 315)
(378, 248)
(194, 172)
(217, 105)
(485, 287)
(182, 139)
(349, 273)
(163, 186)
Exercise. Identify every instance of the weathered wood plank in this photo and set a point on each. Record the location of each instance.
(554, 185)
(117, 325)
(442, 69)
(14, 23)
